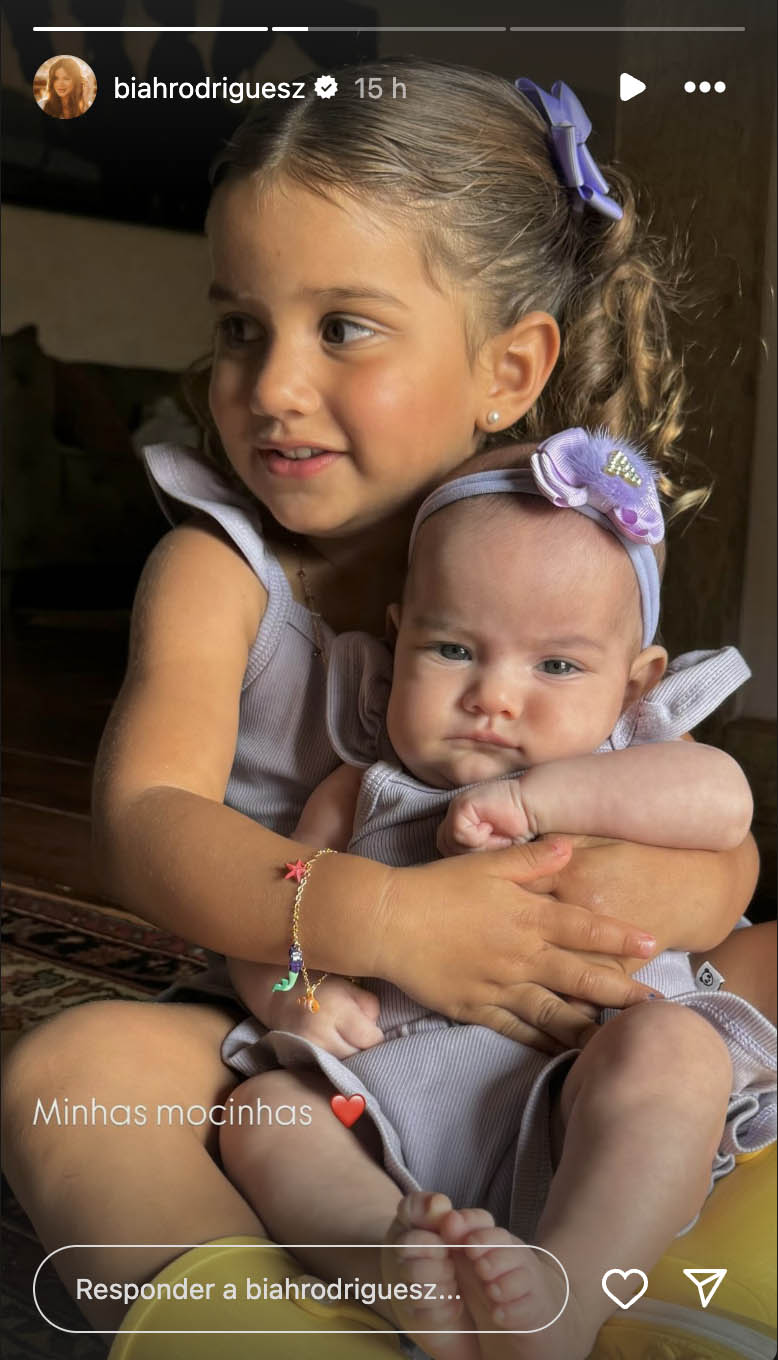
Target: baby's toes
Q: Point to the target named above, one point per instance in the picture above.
(525, 1290)
(455, 1226)
(420, 1272)
(503, 1271)
(422, 1210)
(426, 1299)
(500, 1263)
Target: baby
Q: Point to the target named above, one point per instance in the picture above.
(526, 696)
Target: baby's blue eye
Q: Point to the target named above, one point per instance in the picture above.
(453, 651)
(556, 666)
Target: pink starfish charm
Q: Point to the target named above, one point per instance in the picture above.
(295, 870)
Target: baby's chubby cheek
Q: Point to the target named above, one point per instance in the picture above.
(411, 727)
(397, 724)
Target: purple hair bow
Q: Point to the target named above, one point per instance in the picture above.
(570, 128)
(578, 467)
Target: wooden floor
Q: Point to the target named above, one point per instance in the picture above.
(61, 675)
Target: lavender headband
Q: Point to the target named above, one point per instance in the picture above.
(583, 471)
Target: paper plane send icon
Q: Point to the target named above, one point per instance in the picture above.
(629, 86)
(707, 1282)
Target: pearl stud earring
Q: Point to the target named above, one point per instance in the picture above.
(492, 417)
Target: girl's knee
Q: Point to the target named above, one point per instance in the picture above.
(53, 1052)
(117, 1052)
(45, 1065)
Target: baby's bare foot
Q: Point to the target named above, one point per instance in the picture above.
(416, 1259)
(513, 1292)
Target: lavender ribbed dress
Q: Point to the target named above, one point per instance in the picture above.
(459, 1108)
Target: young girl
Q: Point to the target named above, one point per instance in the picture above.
(390, 285)
(525, 639)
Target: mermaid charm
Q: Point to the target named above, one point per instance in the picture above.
(295, 964)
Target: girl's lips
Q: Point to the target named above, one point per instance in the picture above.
(278, 466)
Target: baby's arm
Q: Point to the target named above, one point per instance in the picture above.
(347, 1017)
(676, 794)
(328, 815)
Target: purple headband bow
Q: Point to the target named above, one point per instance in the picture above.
(570, 128)
(608, 482)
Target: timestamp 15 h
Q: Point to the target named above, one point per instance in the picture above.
(373, 87)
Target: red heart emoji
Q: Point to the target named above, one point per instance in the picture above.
(348, 1111)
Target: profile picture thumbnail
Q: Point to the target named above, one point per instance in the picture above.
(64, 87)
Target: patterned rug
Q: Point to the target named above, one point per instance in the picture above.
(56, 953)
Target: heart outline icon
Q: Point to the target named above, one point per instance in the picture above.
(348, 1109)
(625, 1274)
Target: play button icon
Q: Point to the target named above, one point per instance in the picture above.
(629, 86)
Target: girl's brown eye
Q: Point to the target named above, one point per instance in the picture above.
(334, 331)
(237, 330)
(337, 330)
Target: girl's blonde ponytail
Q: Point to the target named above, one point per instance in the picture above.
(618, 367)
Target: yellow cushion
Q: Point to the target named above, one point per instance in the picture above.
(735, 1232)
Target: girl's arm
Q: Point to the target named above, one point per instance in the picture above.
(326, 820)
(165, 843)
(170, 850)
(347, 1020)
(676, 794)
(691, 899)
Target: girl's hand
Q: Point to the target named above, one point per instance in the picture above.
(645, 883)
(488, 817)
(345, 1023)
(465, 937)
